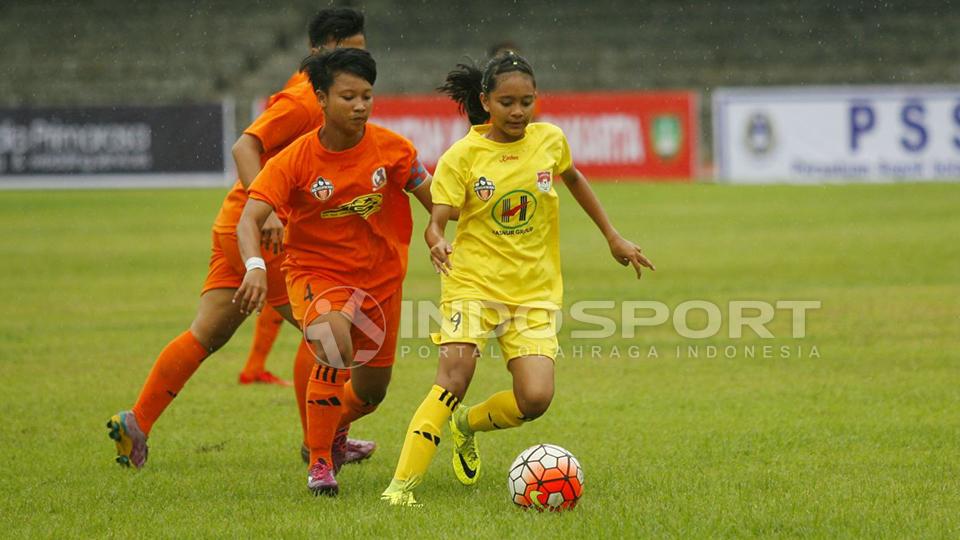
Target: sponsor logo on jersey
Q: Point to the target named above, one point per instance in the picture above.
(544, 181)
(379, 178)
(321, 188)
(363, 206)
(515, 209)
(484, 188)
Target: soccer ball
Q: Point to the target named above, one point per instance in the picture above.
(545, 477)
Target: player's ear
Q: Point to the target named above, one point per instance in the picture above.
(322, 98)
(485, 101)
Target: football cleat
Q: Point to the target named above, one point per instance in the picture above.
(356, 450)
(265, 378)
(346, 450)
(321, 480)
(130, 440)
(400, 494)
(466, 454)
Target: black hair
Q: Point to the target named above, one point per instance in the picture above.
(323, 67)
(336, 23)
(466, 82)
(502, 46)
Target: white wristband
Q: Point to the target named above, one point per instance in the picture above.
(255, 262)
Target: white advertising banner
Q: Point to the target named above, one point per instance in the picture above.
(849, 133)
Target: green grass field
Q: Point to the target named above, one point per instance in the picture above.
(860, 439)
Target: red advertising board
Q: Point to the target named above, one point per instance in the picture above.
(621, 135)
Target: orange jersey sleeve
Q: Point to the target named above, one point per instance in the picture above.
(277, 180)
(296, 79)
(289, 114)
(349, 214)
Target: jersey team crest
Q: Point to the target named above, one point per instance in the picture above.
(544, 181)
(484, 188)
(379, 178)
(321, 188)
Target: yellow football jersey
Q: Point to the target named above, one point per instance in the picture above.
(507, 246)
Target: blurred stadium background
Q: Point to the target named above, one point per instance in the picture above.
(63, 53)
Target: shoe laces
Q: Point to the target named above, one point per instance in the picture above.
(320, 469)
(340, 442)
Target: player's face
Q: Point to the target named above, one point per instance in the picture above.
(356, 41)
(510, 105)
(348, 102)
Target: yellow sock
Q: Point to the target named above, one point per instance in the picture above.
(499, 411)
(423, 436)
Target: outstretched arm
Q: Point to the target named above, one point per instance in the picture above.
(253, 291)
(440, 249)
(624, 251)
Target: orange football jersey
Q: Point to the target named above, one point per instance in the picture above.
(296, 79)
(289, 114)
(349, 216)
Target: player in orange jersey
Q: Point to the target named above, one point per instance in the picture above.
(289, 114)
(330, 28)
(344, 188)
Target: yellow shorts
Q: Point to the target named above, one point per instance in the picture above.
(520, 330)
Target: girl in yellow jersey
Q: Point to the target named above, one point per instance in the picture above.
(502, 273)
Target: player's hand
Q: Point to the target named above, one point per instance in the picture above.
(271, 234)
(626, 252)
(252, 292)
(440, 257)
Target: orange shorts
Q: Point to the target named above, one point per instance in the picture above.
(227, 269)
(376, 323)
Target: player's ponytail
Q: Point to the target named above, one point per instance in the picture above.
(466, 82)
(464, 85)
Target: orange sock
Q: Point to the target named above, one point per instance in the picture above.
(302, 366)
(176, 363)
(324, 402)
(264, 335)
(353, 407)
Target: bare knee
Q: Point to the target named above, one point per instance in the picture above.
(371, 394)
(216, 320)
(533, 403)
(370, 383)
(455, 371)
(212, 336)
(454, 381)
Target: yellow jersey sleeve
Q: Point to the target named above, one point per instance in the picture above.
(449, 186)
(566, 160)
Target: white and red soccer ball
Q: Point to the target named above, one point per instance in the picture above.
(545, 477)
